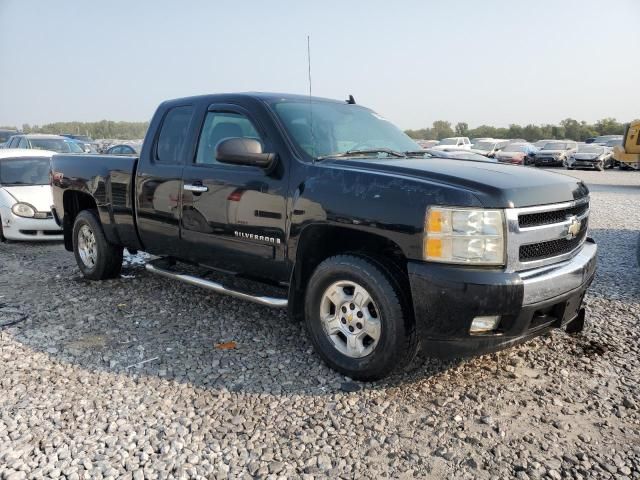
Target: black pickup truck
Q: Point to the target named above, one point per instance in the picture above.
(383, 250)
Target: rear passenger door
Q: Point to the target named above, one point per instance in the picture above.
(159, 182)
(233, 216)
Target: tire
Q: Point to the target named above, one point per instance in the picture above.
(97, 258)
(599, 166)
(366, 358)
(2, 237)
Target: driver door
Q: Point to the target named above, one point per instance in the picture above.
(233, 216)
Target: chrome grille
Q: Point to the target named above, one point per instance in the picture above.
(552, 248)
(539, 236)
(554, 216)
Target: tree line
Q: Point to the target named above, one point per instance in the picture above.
(101, 129)
(568, 128)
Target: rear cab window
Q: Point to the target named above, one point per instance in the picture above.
(173, 133)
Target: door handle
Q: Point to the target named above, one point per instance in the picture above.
(196, 188)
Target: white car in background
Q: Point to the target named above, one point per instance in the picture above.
(459, 143)
(25, 196)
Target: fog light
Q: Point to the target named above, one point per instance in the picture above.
(484, 324)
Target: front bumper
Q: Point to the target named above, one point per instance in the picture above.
(19, 228)
(549, 162)
(446, 299)
(584, 163)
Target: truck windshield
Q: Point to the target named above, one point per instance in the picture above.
(24, 171)
(56, 144)
(323, 129)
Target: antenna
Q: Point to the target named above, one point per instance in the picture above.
(313, 139)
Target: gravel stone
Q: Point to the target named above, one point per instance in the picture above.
(559, 406)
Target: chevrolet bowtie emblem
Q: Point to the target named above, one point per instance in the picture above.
(349, 317)
(574, 227)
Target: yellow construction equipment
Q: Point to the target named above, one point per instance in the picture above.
(628, 154)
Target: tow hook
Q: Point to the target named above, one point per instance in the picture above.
(576, 325)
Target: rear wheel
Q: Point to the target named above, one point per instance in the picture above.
(356, 318)
(2, 237)
(96, 257)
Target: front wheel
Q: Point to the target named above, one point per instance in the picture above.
(97, 258)
(356, 319)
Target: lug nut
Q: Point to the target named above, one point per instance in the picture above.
(344, 309)
(351, 329)
(359, 314)
(344, 320)
(359, 325)
(352, 306)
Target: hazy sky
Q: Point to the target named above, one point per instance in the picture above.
(490, 61)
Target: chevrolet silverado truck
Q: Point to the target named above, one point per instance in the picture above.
(382, 249)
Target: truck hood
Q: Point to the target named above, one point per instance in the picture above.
(495, 185)
(586, 156)
(38, 196)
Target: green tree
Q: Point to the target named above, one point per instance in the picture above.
(442, 129)
(515, 131)
(571, 128)
(609, 126)
(462, 129)
(531, 133)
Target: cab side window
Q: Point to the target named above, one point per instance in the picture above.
(23, 143)
(173, 134)
(218, 126)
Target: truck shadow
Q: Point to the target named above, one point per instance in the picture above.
(144, 325)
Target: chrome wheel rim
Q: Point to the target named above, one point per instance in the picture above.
(87, 246)
(350, 319)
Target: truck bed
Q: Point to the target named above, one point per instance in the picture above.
(109, 179)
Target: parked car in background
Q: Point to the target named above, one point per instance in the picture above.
(5, 135)
(488, 148)
(124, 149)
(614, 142)
(517, 154)
(459, 154)
(427, 143)
(86, 142)
(459, 142)
(555, 154)
(479, 139)
(541, 143)
(25, 196)
(591, 155)
(603, 139)
(39, 141)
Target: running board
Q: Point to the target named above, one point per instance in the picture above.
(159, 266)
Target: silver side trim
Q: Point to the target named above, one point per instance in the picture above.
(548, 282)
(154, 267)
(516, 236)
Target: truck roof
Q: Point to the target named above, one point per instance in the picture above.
(264, 96)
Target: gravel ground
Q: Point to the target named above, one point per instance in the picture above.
(123, 379)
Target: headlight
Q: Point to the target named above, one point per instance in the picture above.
(466, 236)
(23, 210)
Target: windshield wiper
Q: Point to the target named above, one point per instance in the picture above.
(353, 153)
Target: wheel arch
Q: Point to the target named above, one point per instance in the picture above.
(73, 203)
(319, 241)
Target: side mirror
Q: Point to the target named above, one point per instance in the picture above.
(243, 151)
